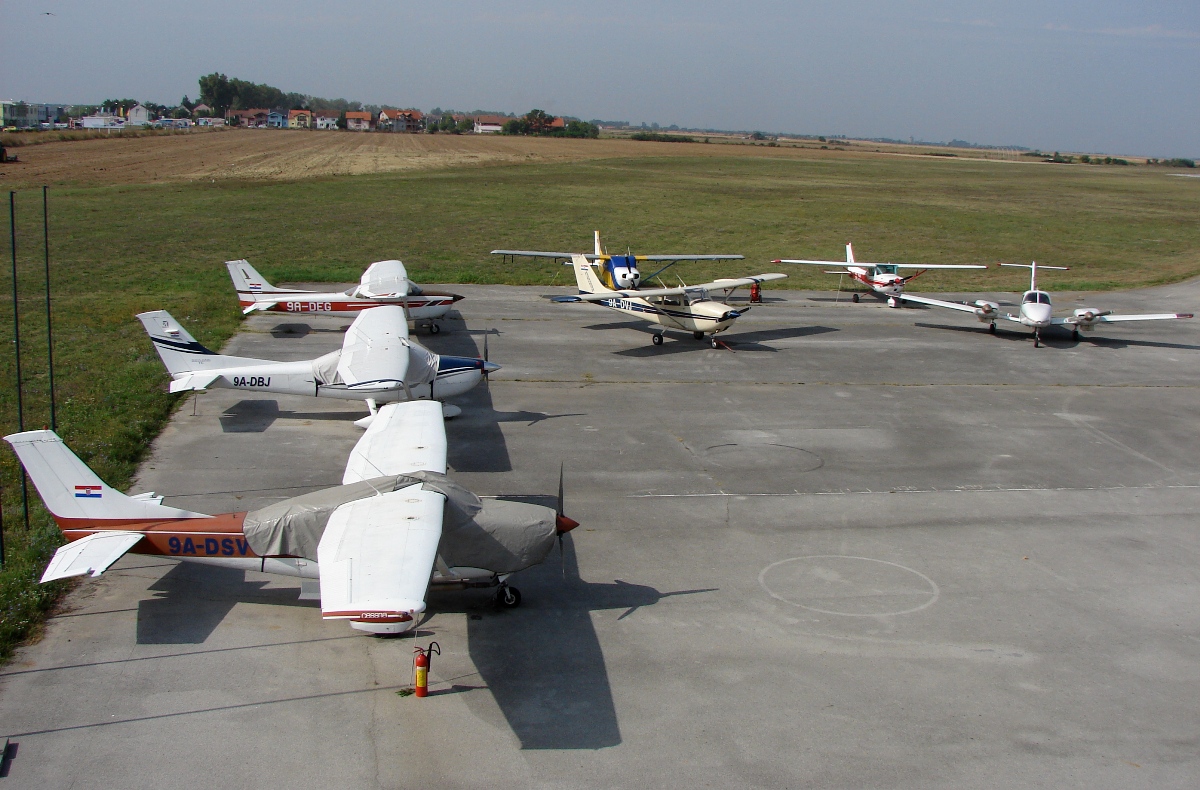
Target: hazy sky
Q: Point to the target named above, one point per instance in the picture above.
(1104, 76)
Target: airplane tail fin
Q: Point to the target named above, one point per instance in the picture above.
(180, 352)
(849, 253)
(585, 276)
(72, 491)
(247, 281)
(1033, 276)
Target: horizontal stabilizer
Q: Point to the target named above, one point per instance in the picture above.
(193, 381)
(92, 554)
(259, 306)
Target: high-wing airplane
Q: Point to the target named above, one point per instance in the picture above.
(1036, 310)
(377, 363)
(396, 527)
(617, 287)
(884, 279)
(384, 282)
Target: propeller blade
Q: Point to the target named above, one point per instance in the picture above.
(561, 470)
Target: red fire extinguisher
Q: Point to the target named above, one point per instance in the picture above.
(421, 665)
(755, 293)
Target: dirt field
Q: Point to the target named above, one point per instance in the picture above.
(272, 154)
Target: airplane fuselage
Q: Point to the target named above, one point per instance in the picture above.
(1035, 310)
(455, 376)
(704, 316)
(424, 306)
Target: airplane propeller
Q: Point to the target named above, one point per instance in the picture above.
(562, 523)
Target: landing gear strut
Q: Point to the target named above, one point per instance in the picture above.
(1037, 340)
(508, 597)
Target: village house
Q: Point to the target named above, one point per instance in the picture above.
(325, 119)
(400, 120)
(201, 109)
(277, 119)
(253, 118)
(300, 119)
(490, 124)
(359, 121)
(138, 116)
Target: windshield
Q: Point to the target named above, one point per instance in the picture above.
(694, 295)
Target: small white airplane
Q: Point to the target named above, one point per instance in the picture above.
(396, 527)
(384, 282)
(1036, 310)
(884, 279)
(377, 363)
(686, 308)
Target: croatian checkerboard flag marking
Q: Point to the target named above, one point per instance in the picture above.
(87, 492)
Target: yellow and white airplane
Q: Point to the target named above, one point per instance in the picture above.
(687, 308)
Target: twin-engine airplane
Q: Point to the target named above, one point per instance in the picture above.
(376, 363)
(617, 287)
(1036, 310)
(384, 282)
(395, 528)
(883, 279)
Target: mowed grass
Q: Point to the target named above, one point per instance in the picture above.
(120, 250)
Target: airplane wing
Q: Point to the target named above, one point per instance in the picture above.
(193, 381)
(403, 437)
(92, 554)
(688, 257)
(966, 308)
(816, 263)
(1109, 319)
(716, 285)
(541, 254)
(376, 556)
(375, 349)
(929, 265)
(384, 279)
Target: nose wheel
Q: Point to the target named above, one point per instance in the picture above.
(712, 341)
(854, 298)
(1037, 340)
(508, 597)
(991, 329)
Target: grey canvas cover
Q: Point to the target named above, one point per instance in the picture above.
(501, 536)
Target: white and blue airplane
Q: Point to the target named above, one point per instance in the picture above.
(1036, 310)
(617, 286)
(377, 363)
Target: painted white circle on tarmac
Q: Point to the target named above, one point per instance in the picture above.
(848, 586)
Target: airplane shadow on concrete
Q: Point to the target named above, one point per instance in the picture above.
(742, 341)
(1061, 338)
(542, 661)
(191, 601)
(303, 330)
(256, 416)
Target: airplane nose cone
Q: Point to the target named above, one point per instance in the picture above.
(456, 297)
(490, 367)
(564, 524)
(1038, 314)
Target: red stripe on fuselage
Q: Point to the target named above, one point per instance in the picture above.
(193, 537)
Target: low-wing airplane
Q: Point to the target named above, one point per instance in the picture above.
(384, 282)
(396, 527)
(1036, 311)
(376, 363)
(884, 279)
(617, 287)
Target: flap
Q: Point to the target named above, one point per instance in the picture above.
(92, 554)
(375, 349)
(377, 555)
(403, 438)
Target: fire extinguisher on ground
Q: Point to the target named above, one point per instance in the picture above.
(422, 662)
(756, 293)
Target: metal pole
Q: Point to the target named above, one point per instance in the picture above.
(49, 324)
(12, 221)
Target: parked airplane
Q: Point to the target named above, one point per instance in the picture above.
(686, 308)
(1036, 310)
(384, 282)
(883, 279)
(376, 363)
(395, 528)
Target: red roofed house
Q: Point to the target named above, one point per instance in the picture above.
(359, 121)
(400, 120)
(325, 119)
(300, 119)
(489, 124)
(255, 119)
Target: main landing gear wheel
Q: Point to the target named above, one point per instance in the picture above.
(892, 302)
(508, 597)
(434, 329)
(698, 335)
(854, 298)
(656, 339)
(712, 341)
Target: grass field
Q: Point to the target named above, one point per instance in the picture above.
(118, 249)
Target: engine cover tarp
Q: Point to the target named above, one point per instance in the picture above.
(294, 526)
(325, 368)
(502, 536)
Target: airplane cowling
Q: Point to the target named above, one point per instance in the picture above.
(501, 537)
(986, 311)
(623, 271)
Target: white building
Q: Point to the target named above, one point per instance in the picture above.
(138, 116)
(490, 124)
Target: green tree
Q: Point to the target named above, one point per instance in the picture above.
(217, 92)
(538, 121)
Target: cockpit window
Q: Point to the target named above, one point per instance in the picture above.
(1030, 298)
(1043, 298)
(694, 295)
